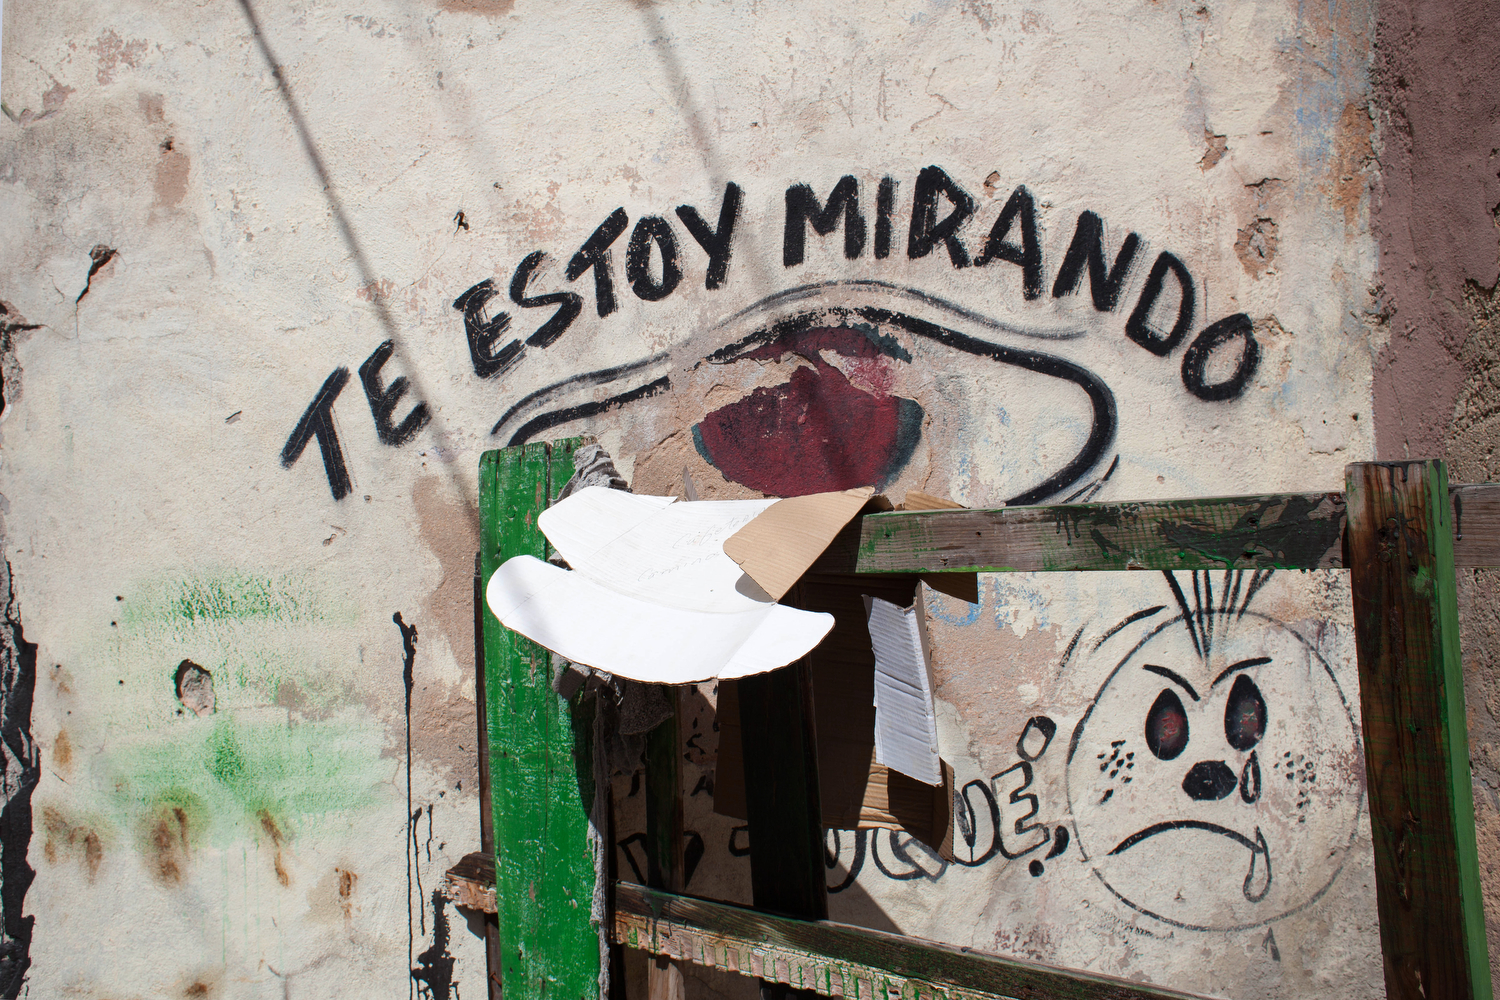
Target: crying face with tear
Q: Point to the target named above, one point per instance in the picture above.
(1215, 781)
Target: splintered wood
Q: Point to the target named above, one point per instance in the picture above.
(839, 960)
(471, 882)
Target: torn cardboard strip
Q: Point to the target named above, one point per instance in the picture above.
(855, 791)
(651, 594)
(906, 737)
(778, 546)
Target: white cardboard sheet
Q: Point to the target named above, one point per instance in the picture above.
(905, 717)
(651, 594)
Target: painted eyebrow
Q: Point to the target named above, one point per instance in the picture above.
(1172, 676)
(1242, 665)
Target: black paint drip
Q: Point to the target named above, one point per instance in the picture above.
(409, 659)
(22, 771)
(435, 965)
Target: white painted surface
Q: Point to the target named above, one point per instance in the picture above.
(143, 440)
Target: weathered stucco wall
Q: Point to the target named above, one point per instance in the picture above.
(1436, 215)
(271, 286)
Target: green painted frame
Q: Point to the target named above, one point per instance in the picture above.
(540, 753)
(1400, 532)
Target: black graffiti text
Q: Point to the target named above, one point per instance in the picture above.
(384, 399)
(942, 212)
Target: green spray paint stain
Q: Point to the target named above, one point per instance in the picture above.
(236, 772)
(228, 596)
(227, 764)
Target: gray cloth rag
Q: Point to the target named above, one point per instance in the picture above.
(628, 710)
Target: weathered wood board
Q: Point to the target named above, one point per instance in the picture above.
(1286, 531)
(542, 794)
(1416, 740)
(841, 960)
(1289, 531)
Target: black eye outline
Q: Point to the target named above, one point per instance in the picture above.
(1170, 744)
(1244, 714)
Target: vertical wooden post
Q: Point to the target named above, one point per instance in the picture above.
(787, 871)
(1400, 552)
(486, 813)
(540, 781)
(664, 855)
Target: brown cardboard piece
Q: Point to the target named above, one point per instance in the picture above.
(778, 551)
(917, 500)
(778, 546)
(855, 792)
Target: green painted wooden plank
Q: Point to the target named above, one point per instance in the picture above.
(540, 776)
(1280, 531)
(1416, 741)
(664, 833)
(841, 960)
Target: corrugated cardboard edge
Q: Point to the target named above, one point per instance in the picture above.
(917, 500)
(914, 615)
(777, 547)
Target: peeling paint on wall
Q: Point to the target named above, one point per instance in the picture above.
(995, 254)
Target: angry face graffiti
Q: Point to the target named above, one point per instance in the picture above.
(1216, 764)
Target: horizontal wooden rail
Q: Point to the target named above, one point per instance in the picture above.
(1277, 531)
(841, 960)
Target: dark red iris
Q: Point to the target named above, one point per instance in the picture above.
(1167, 726)
(1244, 714)
(817, 431)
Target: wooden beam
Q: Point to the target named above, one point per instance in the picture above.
(1416, 745)
(844, 961)
(787, 871)
(1282, 531)
(1277, 531)
(664, 836)
(541, 797)
(471, 883)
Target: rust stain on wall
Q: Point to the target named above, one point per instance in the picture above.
(273, 830)
(331, 898)
(112, 51)
(1352, 155)
(489, 8)
(443, 722)
(62, 753)
(1214, 148)
(1256, 246)
(66, 840)
(169, 845)
(449, 531)
(171, 174)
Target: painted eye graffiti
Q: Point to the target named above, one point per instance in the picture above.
(1167, 726)
(1245, 714)
(776, 439)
